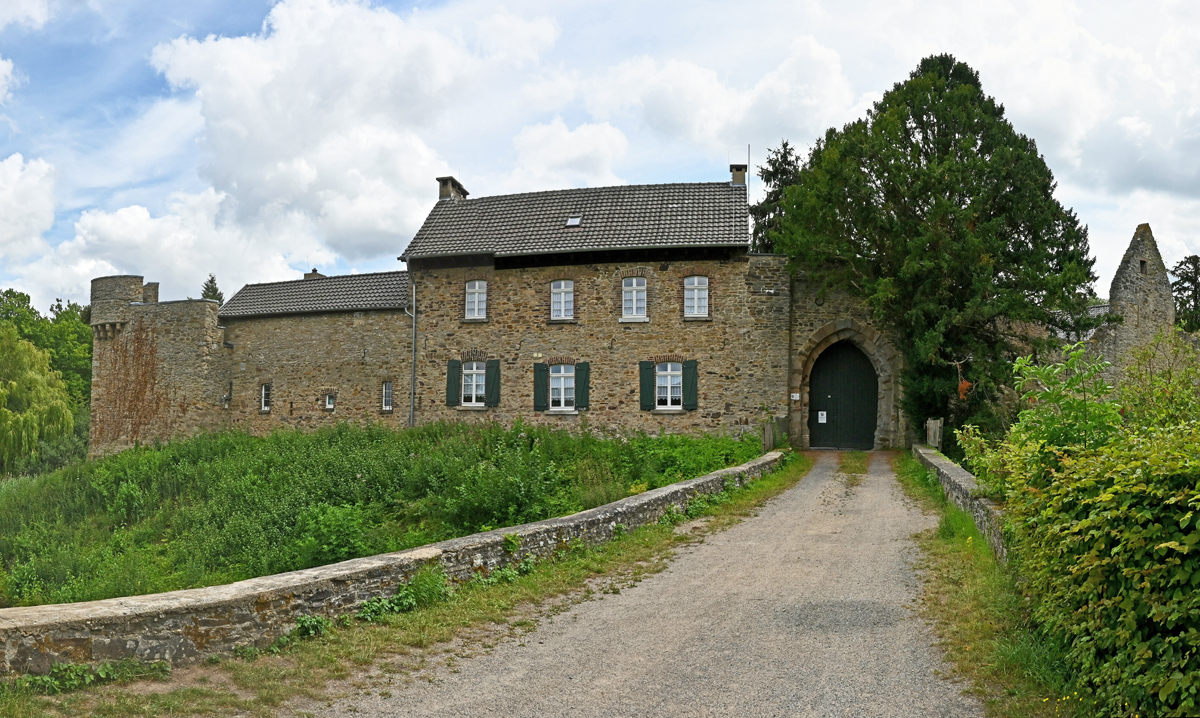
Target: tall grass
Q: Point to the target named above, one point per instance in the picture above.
(225, 507)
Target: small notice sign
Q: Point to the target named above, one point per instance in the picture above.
(820, 417)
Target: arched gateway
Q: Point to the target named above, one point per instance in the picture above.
(846, 373)
(843, 399)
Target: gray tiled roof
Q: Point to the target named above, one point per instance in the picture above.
(350, 292)
(710, 214)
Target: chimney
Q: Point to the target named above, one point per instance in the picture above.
(450, 188)
(150, 293)
(739, 174)
(314, 274)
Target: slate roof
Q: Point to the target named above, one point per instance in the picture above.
(351, 292)
(711, 214)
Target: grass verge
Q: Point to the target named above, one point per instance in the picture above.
(353, 657)
(980, 616)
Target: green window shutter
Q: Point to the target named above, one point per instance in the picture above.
(491, 388)
(646, 377)
(583, 375)
(541, 387)
(691, 385)
(453, 382)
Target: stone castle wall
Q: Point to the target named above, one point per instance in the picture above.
(156, 367)
(305, 357)
(821, 319)
(741, 348)
(1141, 294)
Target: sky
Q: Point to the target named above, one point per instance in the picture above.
(255, 140)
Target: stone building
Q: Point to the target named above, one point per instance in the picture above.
(633, 308)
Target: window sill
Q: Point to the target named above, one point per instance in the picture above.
(386, 411)
(264, 411)
(697, 319)
(460, 407)
(668, 411)
(568, 320)
(633, 320)
(563, 412)
(474, 320)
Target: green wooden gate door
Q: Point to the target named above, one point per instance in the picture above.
(842, 393)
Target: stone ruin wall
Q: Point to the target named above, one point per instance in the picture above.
(154, 366)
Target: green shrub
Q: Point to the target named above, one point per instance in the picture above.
(1101, 496)
(1110, 552)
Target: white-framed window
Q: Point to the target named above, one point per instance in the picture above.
(633, 297)
(387, 396)
(265, 397)
(695, 296)
(562, 387)
(562, 299)
(668, 380)
(474, 375)
(329, 401)
(476, 299)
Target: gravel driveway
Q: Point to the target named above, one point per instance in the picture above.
(801, 611)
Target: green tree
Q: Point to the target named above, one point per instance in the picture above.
(943, 217)
(211, 291)
(34, 404)
(781, 171)
(66, 334)
(1186, 288)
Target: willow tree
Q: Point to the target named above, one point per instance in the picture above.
(34, 404)
(943, 218)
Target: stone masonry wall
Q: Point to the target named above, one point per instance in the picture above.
(960, 487)
(1141, 294)
(156, 367)
(182, 627)
(821, 320)
(741, 349)
(304, 357)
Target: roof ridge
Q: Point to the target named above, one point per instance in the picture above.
(331, 276)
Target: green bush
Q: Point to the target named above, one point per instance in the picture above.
(1102, 492)
(224, 507)
(1109, 551)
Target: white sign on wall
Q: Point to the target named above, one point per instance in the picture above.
(820, 417)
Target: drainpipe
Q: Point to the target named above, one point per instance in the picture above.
(412, 384)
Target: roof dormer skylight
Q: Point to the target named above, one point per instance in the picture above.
(574, 220)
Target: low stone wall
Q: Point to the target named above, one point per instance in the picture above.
(183, 626)
(960, 486)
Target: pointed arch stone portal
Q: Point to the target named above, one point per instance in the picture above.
(882, 357)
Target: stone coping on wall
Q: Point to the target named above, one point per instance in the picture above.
(181, 627)
(961, 489)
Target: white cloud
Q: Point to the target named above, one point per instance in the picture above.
(31, 13)
(177, 249)
(26, 206)
(323, 114)
(552, 156)
(685, 100)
